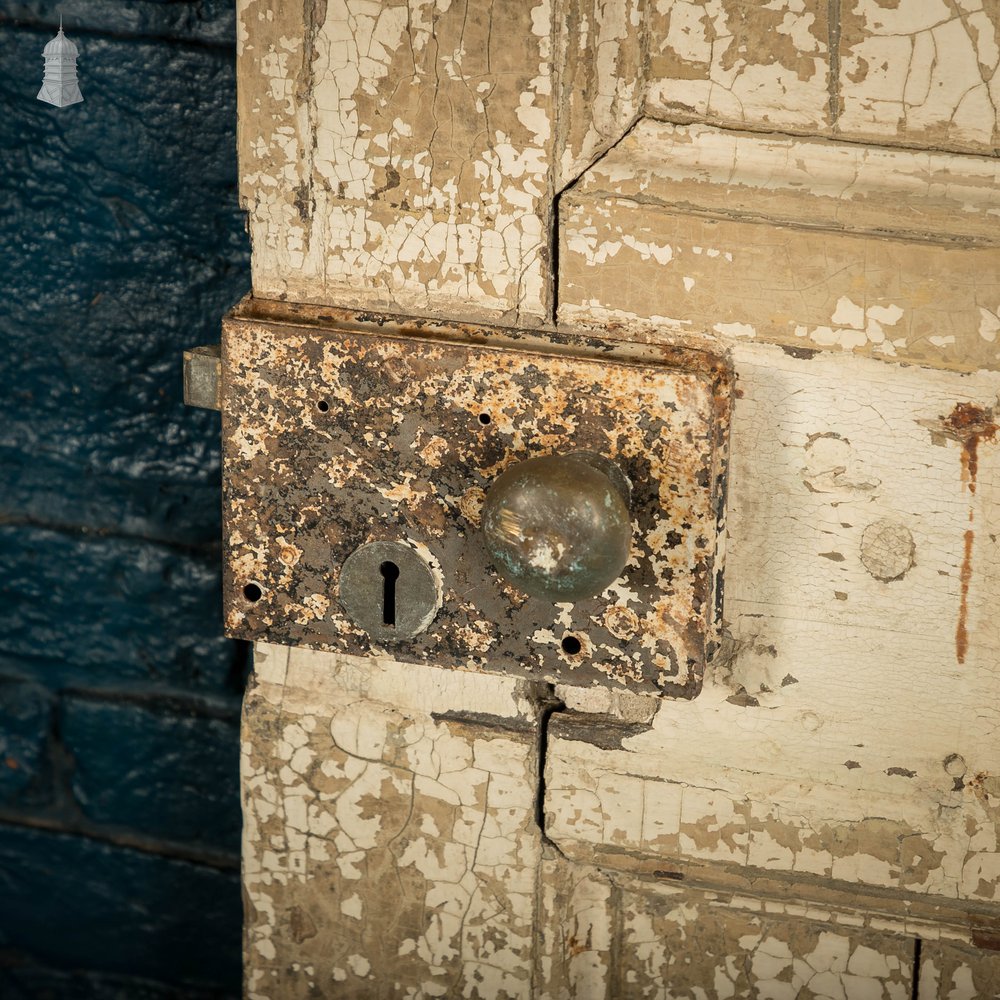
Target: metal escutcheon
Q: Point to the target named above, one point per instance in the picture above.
(389, 590)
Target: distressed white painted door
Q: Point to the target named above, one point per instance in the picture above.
(812, 188)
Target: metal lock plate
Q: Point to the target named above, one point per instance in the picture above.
(341, 429)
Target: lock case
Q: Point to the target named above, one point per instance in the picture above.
(344, 428)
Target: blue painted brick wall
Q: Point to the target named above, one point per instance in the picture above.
(168, 772)
(128, 913)
(121, 243)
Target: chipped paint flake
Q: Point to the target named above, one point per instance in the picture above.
(890, 253)
(868, 521)
(924, 71)
(763, 64)
(404, 850)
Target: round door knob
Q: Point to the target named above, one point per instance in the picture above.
(558, 527)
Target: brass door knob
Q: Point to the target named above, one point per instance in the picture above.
(558, 527)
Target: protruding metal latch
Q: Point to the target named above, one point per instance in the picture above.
(203, 377)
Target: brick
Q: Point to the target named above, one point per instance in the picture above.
(85, 609)
(160, 772)
(126, 246)
(74, 903)
(27, 981)
(25, 712)
(206, 21)
(61, 492)
(123, 245)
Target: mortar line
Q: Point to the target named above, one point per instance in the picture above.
(170, 850)
(86, 31)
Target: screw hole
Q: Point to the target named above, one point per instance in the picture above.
(485, 418)
(252, 592)
(571, 645)
(322, 406)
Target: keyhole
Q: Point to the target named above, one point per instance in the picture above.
(390, 574)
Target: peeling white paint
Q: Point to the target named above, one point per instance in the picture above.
(406, 156)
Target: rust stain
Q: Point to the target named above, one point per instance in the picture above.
(984, 786)
(961, 630)
(577, 947)
(969, 424)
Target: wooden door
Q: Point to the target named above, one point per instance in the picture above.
(811, 191)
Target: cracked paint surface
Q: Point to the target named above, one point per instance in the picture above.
(404, 155)
(600, 60)
(386, 853)
(408, 162)
(573, 960)
(892, 254)
(390, 849)
(921, 71)
(775, 769)
(742, 63)
(676, 947)
(953, 972)
(619, 937)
